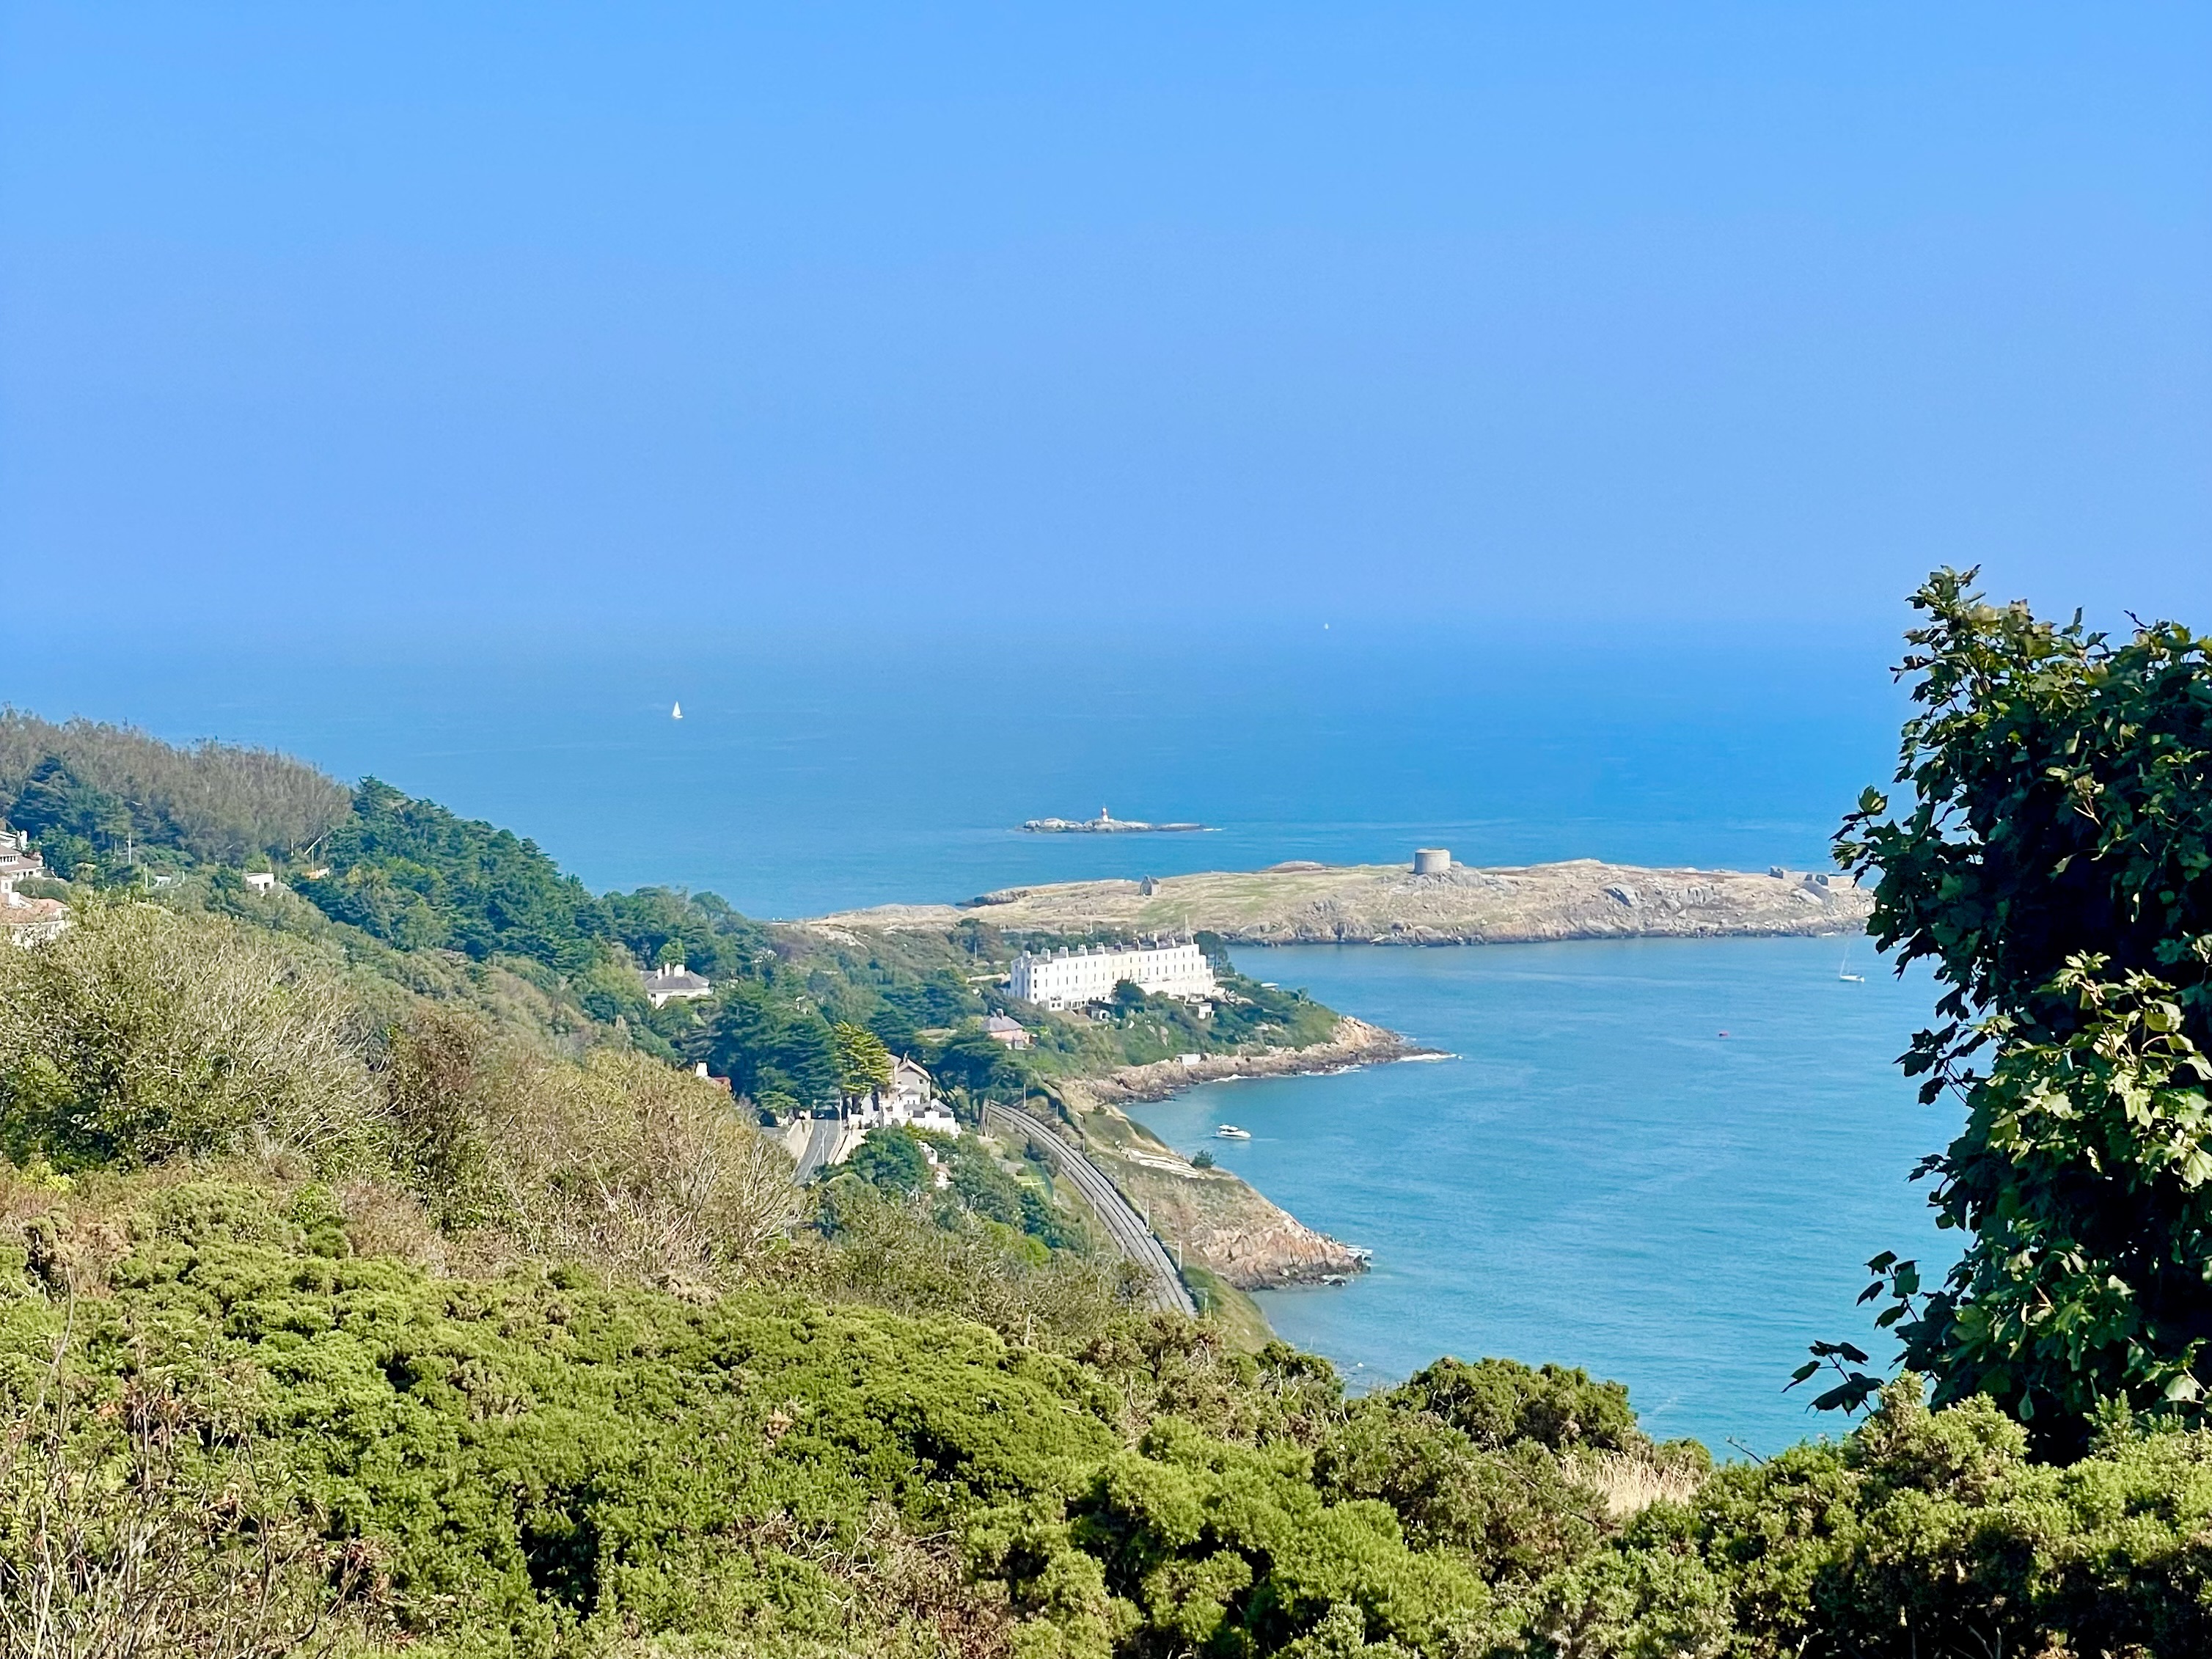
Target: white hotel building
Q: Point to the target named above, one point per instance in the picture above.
(1069, 978)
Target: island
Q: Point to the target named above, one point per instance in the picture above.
(1107, 825)
(1309, 903)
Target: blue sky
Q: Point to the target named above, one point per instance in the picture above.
(376, 323)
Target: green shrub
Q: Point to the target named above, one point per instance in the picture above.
(142, 1033)
(1495, 1402)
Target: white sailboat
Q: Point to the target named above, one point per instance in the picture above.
(1844, 969)
(676, 713)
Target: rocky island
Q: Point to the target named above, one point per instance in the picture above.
(1107, 825)
(1306, 903)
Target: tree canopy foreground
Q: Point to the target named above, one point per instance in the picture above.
(2050, 857)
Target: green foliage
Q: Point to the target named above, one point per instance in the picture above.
(1924, 1532)
(767, 1045)
(2055, 866)
(976, 1064)
(891, 1161)
(413, 874)
(96, 788)
(864, 1064)
(140, 1034)
(540, 1463)
(1230, 1550)
(1512, 1515)
(978, 1187)
(66, 814)
(915, 1257)
(1496, 1402)
(657, 924)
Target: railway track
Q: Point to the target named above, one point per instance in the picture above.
(1130, 1232)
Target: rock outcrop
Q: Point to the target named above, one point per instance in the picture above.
(1354, 1043)
(1211, 1216)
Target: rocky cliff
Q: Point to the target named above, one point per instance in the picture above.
(1211, 1216)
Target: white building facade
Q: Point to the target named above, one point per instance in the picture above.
(911, 1100)
(1069, 978)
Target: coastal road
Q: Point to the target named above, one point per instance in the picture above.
(1130, 1233)
(821, 1141)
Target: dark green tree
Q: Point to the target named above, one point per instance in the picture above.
(864, 1064)
(2054, 864)
(413, 874)
(977, 1064)
(891, 1161)
(766, 1046)
(64, 813)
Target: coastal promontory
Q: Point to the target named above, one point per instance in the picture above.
(1306, 903)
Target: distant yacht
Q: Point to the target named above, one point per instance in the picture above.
(1231, 1132)
(676, 711)
(1844, 969)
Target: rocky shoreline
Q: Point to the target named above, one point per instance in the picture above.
(1213, 1217)
(1354, 1043)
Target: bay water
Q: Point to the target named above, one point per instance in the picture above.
(1597, 1177)
(1664, 1160)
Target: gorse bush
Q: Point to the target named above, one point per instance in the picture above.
(139, 1517)
(543, 1461)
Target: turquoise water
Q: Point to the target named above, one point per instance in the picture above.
(1597, 1176)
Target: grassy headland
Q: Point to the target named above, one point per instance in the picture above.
(1309, 903)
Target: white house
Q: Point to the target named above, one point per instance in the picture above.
(19, 859)
(911, 1100)
(676, 983)
(260, 881)
(23, 920)
(26, 921)
(1069, 978)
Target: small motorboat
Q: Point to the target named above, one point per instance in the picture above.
(1231, 1132)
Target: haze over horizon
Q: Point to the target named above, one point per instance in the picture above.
(402, 331)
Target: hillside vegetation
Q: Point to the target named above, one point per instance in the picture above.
(344, 1311)
(415, 893)
(99, 794)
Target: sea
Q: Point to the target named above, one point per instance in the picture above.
(1666, 1161)
(1594, 1175)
